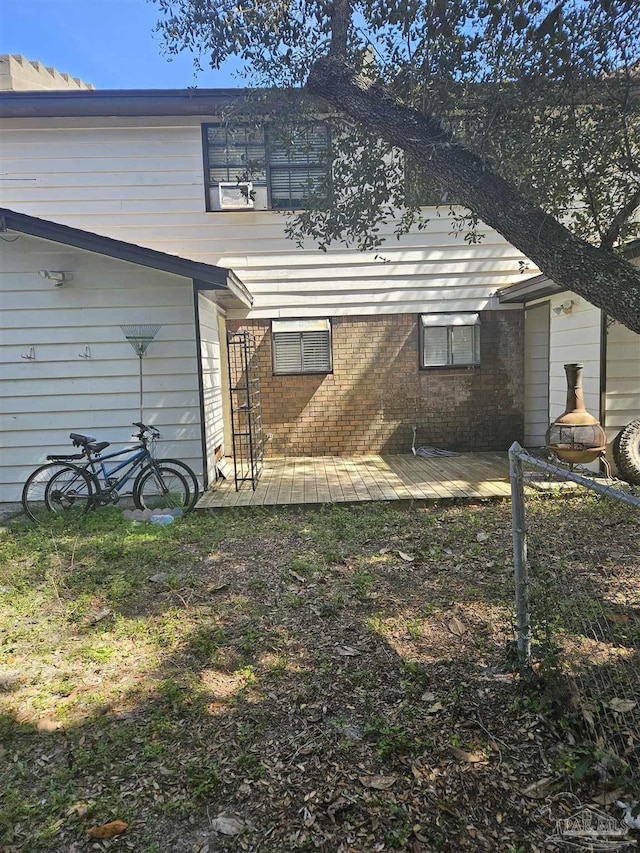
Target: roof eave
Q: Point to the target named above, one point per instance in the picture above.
(536, 287)
(217, 278)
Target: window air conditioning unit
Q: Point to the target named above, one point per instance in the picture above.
(236, 196)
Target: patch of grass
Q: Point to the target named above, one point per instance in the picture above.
(389, 739)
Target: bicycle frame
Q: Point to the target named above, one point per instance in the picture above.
(135, 460)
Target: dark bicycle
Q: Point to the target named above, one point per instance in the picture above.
(72, 484)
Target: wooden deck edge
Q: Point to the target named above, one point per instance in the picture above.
(455, 500)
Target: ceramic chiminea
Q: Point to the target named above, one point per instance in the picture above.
(576, 436)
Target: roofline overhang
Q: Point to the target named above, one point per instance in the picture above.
(216, 278)
(134, 102)
(535, 287)
(539, 286)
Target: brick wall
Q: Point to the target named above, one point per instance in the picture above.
(376, 392)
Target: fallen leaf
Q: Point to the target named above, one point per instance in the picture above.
(98, 616)
(297, 576)
(469, 757)
(433, 709)
(378, 783)
(616, 617)
(406, 557)
(428, 696)
(227, 825)
(78, 810)
(348, 651)
(456, 626)
(108, 830)
(608, 797)
(622, 706)
(482, 537)
(539, 790)
(588, 716)
(48, 724)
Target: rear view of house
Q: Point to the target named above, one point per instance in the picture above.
(354, 348)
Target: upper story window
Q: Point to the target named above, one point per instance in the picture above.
(265, 169)
(301, 346)
(448, 340)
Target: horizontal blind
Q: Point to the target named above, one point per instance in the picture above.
(463, 345)
(287, 352)
(233, 152)
(290, 185)
(301, 352)
(435, 346)
(316, 352)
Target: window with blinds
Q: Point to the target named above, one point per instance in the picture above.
(296, 166)
(449, 339)
(235, 154)
(301, 346)
(289, 164)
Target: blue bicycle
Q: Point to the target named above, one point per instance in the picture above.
(72, 484)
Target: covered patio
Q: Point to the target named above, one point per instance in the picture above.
(354, 479)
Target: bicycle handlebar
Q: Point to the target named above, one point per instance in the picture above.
(143, 428)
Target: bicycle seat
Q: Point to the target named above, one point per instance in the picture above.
(97, 446)
(79, 439)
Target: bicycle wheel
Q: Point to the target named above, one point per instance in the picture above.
(188, 474)
(55, 489)
(160, 487)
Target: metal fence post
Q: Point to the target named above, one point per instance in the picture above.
(520, 566)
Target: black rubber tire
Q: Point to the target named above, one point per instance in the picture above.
(188, 474)
(615, 449)
(627, 452)
(43, 495)
(161, 487)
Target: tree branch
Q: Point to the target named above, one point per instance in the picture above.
(622, 216)
(603, 278)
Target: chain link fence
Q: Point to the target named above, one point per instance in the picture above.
(577, 571)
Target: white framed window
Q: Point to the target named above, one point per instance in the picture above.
(449, 340)
(301, 346)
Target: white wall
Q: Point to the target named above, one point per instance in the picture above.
(574, 337)
(212, 380)
(536, 374)
(623, 378)
(44, 399)
(141, 180)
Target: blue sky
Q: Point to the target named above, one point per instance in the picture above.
(109, 43)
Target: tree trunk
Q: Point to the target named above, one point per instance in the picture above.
(601, 277)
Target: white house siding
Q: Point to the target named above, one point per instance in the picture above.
(536, 374)
(141, 180)
(58, 391)
(574, 337)
(623, 379)
(212, 381)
